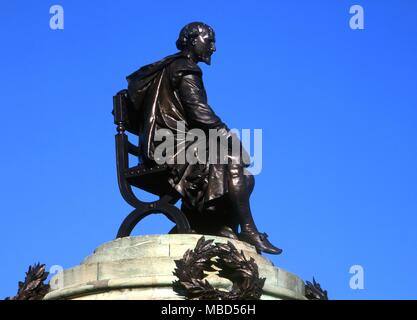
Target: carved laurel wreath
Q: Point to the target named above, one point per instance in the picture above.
(228, 262)
(33, 288)
(314, 291)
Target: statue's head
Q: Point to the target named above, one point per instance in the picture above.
(198, 41)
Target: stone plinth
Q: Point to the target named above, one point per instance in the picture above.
(141, 268)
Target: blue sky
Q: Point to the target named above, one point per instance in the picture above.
(338, 110)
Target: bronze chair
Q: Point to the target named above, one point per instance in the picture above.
(150, 179)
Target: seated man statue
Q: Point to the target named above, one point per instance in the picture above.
(215, 196)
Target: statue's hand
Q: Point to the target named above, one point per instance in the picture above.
(237, 153)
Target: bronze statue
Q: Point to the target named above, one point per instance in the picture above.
(215, 196)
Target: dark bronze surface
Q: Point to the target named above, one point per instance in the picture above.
(215, 197)
(230, 264)
(33, 287)
(314, 291)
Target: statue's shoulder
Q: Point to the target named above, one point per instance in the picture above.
(183, 66)
(177, 64)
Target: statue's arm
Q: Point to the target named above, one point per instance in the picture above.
(194, 99)
(199, 113)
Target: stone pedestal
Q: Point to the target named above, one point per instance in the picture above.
(140, 268)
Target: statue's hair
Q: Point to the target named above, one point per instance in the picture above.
(190, 32)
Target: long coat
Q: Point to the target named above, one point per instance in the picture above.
(165, 93)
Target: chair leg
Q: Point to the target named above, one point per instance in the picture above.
(170, 211)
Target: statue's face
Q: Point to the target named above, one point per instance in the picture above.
(203, 46)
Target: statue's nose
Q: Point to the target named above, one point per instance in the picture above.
(213, 47)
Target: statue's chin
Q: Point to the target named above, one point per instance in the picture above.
(206, 60)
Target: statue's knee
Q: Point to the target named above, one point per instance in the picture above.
(250, 182)
(235, 170)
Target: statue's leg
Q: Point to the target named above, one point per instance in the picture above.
(250, 183)
(216, 222)
(239, 193)
(240, 187)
